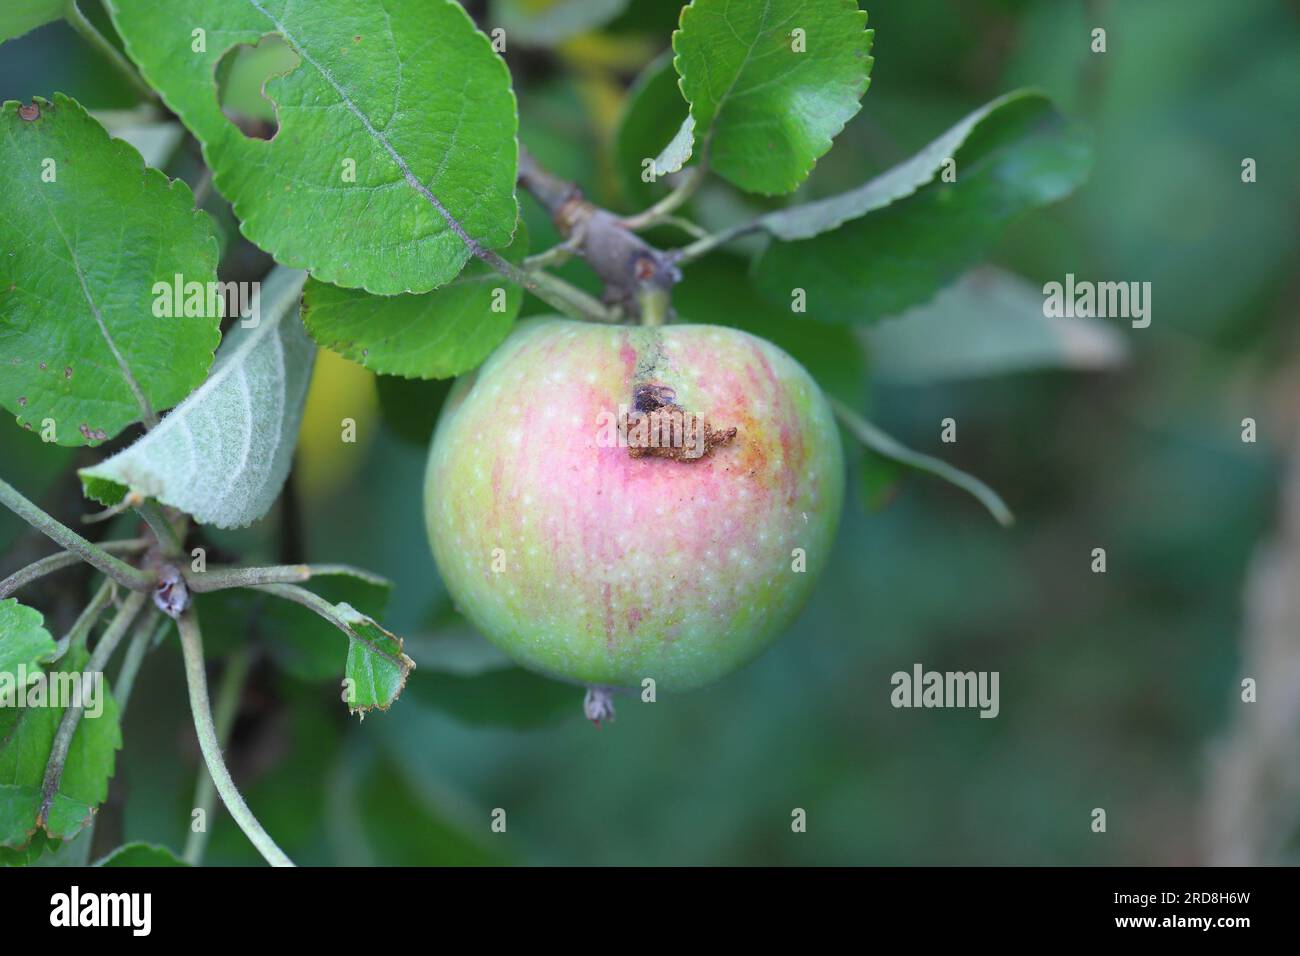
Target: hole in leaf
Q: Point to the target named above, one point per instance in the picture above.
(242, 75)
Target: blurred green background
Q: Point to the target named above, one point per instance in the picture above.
(1115, 687)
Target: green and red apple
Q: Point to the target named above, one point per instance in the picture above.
(586, 554)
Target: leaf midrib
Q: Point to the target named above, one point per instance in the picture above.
(146, 410)
(475, 248)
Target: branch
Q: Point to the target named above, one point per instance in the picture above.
(63, 559)
(121, 572)
(706, 244)
(196, 677)
(664, 208)
(72, 713)
(550, 289)
(569, 299)
(222, 578)
(627, 264)
(205, 791)
(163, 530)
(80, 630)
(147, 631)
(308, 599)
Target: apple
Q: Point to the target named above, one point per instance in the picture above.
(611, 504)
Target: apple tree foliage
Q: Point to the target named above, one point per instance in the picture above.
(386, 199)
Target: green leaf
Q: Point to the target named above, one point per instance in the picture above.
(301, 642)
(408, 90)
(653, 104)
(35, 848)
(20, 805)
(79, 341)
(376, 668)
(223, 454)
(437, 334)
(766, 111)
(549, 22)
(507, 697)
(241, 74)
(141, 854)
(989, 322)
(888, 446)
(26, 736)
(717, 291)
(20, 16)
(1022, 155)
(23, 639)
(811, 219)
(673, 157)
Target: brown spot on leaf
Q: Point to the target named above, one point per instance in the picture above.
(67, 372)
(29, 112)
(22, 401)
(92, 434)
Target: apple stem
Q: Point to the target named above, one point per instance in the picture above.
(654, 306)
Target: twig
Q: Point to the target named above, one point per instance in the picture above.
(205, 791)
(625, 263)
(703, 246)
(63, 559)
(72, 713)
(878, 441)
(681, 194)
(220, 579)
(162, 528)
(686, 226)
(308, 599)
(146, 631)
(554, 256)
(129, 500)
(192, 649)
(92, 554)
(80, 630)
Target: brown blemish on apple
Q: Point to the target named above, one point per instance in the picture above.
(657, 406)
